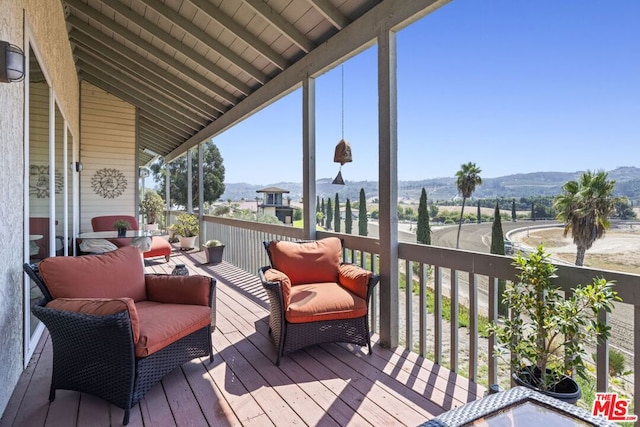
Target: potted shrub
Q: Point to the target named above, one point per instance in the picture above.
(214, 250)
(151, 208)
(187, 227)
(546, 336)
(122, 226)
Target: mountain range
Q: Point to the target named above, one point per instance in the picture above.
(442, 189)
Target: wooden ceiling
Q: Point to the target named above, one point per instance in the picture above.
(186, 64)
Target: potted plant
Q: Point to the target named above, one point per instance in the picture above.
(187, 228)
(122, 226)
(546, 336)
(214, 250)
(151, 207)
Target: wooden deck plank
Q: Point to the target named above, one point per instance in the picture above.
(328, 385)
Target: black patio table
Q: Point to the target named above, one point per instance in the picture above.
(517, 407)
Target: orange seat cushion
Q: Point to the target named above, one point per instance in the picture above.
(115, 274)
(323, 301)
(309, 262)
(163, 324)
(159, 247)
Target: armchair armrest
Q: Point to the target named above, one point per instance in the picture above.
(357, 279)
(193, 290)
(275, 278)
(100, 307)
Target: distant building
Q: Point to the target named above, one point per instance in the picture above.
(273, 204)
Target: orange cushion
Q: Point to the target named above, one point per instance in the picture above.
(273, 275)
(163, 324)
(100, 307)
(114, 274)
(159, 247)
(308, 262)
(355, 278)
(323, 301)
(165, 288)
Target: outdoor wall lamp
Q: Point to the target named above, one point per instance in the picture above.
(11, 63)
(78, 166)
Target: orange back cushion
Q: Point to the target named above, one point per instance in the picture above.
(116, 274)
(309, 262)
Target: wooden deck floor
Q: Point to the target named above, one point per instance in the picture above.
(329, 385)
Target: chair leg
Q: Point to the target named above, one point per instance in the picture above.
(125, 420)
(167, 258)
(52, 394)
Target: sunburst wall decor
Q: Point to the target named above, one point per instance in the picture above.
(108, 183)
(39, 181)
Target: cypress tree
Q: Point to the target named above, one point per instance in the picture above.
(323, 212)
(348, 220)
(533, 211)
(423, 231)
(497, 247)
(329, 213)
(318, 204)
(336, 215)
(362, 214)
(513, 210)
(479, 219)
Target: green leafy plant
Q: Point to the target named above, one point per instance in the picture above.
(121, 223)
(186, 225)
(151, 206)
(212, 243)
(546, 336)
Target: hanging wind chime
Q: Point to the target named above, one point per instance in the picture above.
(342, 153)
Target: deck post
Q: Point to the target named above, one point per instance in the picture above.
(309, 156)
(388, 184)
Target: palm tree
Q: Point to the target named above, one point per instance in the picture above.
(585, 207)
(467, 178)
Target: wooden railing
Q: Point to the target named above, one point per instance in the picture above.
(467, 279)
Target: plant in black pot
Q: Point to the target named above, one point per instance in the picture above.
(214, 250)
(122, 226)
(547, 334)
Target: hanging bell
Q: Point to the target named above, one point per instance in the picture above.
(342, 154)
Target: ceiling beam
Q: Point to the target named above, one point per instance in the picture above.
(93, 56)
(330, 12)
(150, 49)
(388, 15)
(147, 95)
(281, 24)
(207, 39)
(157, 128)
(161, 115)
(81, 32)
(179, 46)
(251, 40)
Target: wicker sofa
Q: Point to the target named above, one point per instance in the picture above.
(116, 331)
(314, 298)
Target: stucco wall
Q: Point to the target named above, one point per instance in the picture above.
(46, 19)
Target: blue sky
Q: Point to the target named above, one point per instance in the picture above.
(514, 86)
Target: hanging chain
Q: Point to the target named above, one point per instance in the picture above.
(342, 101)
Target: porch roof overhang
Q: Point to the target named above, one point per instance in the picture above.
(193, 68)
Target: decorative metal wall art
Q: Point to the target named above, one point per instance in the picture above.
(109, 183)
(39, 181)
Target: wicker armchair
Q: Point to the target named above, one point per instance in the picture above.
(314, 298)
(116, 331)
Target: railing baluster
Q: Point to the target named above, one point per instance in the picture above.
(602, 358)
(423, 311)
(437, 316)
(473, 328)
(453, 294)
(493, 315)
(408, 293)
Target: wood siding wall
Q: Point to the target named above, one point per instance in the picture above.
(107, 128)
